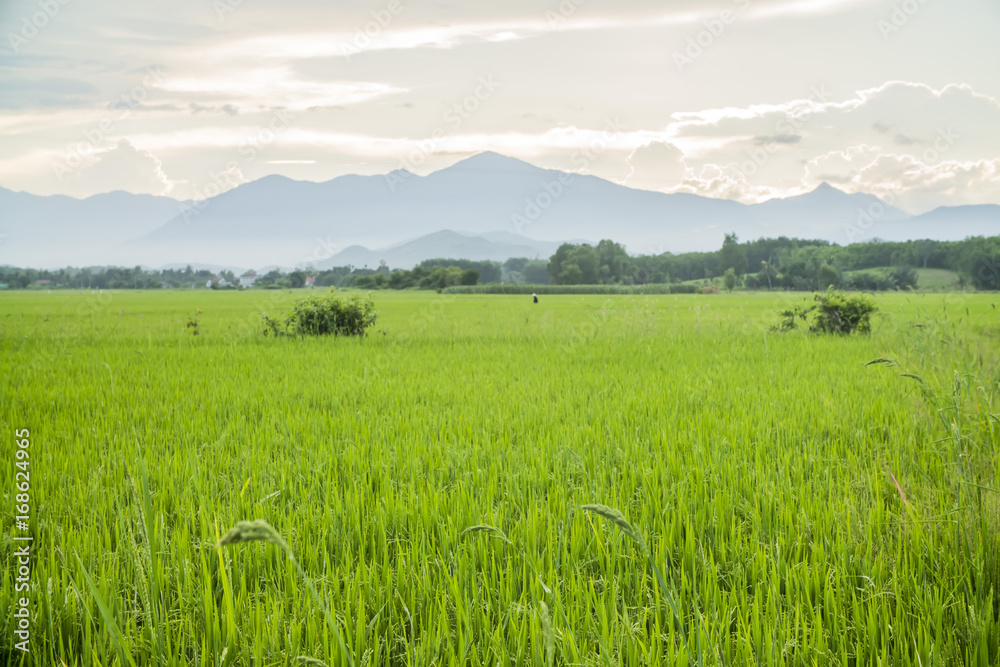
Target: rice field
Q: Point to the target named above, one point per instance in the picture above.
(781, 502)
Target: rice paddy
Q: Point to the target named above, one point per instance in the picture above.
(780, 501)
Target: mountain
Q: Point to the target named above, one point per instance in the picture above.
(946, 223)
(445, 244)
(483, 194)
(58, 230)
(485, 200)
(825, 213)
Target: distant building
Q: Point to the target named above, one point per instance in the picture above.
(217, 282)
(310, 281)
(248, 279)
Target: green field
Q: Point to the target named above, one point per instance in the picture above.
(803, 508)
(936, 280)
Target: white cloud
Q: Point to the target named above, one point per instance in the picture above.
(655, 166)
(129, 168)
(914, 183)
(276, 87)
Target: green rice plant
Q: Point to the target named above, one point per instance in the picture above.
(841, 515)
(618, 519)
(261, 531)
(500, 535)
(115, 632)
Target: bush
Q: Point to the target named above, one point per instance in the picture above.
(903, 277)
(836, 312)
(839, 313)
(325, 315)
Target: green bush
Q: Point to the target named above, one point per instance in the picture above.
(836, 312)
(325, 315)
(839, 313)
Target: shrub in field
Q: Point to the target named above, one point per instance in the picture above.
(836, 312)
(325, 315)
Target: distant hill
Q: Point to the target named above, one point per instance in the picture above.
(59, 231)
(443, 244)
(946, 223)
(507, 202)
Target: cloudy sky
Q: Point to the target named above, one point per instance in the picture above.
(743, 99)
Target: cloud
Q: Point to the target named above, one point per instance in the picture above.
(762, 140)
(24, 93)
(380, 30)
(227, 109)
(123, 167)
(724, 182)
(272, 87)
(808, 141)
(915, 184)
(656, 165)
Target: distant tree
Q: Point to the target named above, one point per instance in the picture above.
(515, 264)
(536, 271)
(555, 264)
(271, 278)
(469, 277)
(613, 261)
(489, 271)
(767, 272)
(903, 277)
(586, 258)
(570, 274)
(733, 254)
(297, 278)
(730, 279)
(980, 263)
(829, 276)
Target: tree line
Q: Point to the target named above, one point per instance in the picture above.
(771, 263)
(784, 263)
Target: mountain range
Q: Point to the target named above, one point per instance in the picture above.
(485, 207)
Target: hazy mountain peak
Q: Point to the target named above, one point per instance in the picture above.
(825, 187)
(492, 162)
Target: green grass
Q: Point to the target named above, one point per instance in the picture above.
(794, 505)
(928, 280)
(936, 280)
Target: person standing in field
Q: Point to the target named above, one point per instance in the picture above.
(534, 297)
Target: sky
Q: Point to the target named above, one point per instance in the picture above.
(738, 99)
